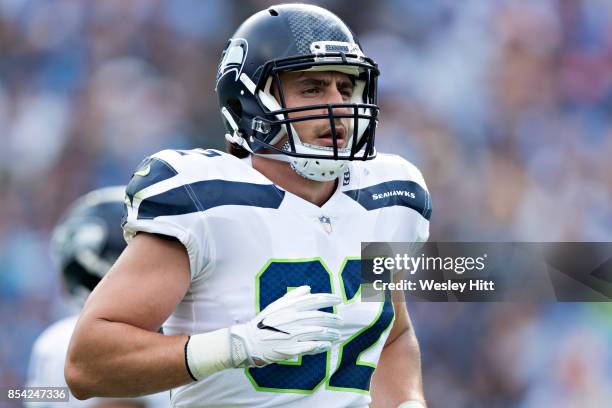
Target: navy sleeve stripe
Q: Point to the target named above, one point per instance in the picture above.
(397, 192)
(151, 171)
(210, 194)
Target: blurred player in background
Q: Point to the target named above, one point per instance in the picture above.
(85, 244)
(250, 259)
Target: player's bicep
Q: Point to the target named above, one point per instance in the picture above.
(144, 286)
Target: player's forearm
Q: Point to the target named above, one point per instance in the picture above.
(110, 359)
(397, 377)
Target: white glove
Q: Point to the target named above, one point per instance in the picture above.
(288, 327)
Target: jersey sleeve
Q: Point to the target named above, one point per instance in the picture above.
(422, 199)
(36, 367)
(46, 366)
(160, 201)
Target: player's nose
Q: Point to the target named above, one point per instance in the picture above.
(336, 97)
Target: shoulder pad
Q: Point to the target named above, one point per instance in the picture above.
(176, 182)
(391, 180)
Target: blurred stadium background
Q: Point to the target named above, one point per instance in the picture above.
(504, 105)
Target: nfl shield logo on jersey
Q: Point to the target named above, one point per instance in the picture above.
(326, 223)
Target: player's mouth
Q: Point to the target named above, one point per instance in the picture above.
(326, 138)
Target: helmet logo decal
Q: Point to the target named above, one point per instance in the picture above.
(233, 58)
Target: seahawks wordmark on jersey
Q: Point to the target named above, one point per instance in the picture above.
(249, 242)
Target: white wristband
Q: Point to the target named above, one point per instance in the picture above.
(208, 353)
(412, 404)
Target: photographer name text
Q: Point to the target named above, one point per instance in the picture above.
(472, 285)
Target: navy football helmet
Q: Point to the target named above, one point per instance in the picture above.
(88, 239)
(295, 37)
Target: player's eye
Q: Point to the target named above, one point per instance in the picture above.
(311, 91)
(347, 93)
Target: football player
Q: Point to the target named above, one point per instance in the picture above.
(250, 259)
(85, 243)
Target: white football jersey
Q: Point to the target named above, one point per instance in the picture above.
(47, 368)
(249, 242)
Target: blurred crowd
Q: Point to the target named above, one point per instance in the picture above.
(505, 106)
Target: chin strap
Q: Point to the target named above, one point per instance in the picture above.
(311, 169)
(234, 139)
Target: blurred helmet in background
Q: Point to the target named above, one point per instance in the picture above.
(88, 239)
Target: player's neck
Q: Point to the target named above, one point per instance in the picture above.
(281, 174)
